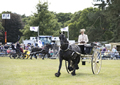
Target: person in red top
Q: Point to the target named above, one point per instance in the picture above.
(21, 49)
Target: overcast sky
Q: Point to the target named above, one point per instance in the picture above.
(27, 7)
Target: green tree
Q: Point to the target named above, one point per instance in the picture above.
(113, 15)
(96, 24)
(101, 5)
(12, 26)
(63, 18)
(79, 21)
(46, 20)
(25, 19)
(1, 29)
(100, 27)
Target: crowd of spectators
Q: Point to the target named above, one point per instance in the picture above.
(107, 53)
(5, 49)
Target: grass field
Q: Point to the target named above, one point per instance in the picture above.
(41, 72)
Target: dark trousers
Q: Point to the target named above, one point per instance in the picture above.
(82, 49)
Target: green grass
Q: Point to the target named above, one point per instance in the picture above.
(41, 72)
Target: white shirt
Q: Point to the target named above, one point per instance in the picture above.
(114, 50)
(82, 37)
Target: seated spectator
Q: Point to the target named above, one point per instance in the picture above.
(5, 48)
(117, 54)
(2, 48)
(113, 51)
(28, 47)
(32, 46)
(8, 51)
(51, 52)
(104, 50)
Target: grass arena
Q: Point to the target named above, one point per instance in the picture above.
(41, 72)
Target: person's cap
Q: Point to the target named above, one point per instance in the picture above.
(82, 30)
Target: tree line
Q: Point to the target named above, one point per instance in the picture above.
(100, 24)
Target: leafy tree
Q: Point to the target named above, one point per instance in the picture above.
(45, 19)
(63, 18)
(79, 21)
(110, 19)
(113, 15)
(1, 28)
(25, 19)
(12, 26)
(102, 5)
(100, 27)
(94, 21)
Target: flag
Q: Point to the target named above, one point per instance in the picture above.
(64, 29)
(40, 43)
(34, 29)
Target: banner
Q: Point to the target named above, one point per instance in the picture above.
(5, 16)
(34, 29)
(64, 29)
(5, 37)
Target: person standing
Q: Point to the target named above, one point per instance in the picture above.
(82, 40)
(5, 48)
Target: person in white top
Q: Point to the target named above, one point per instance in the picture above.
(82, 40)
(114, 50)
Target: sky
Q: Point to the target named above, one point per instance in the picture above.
(28, 7)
